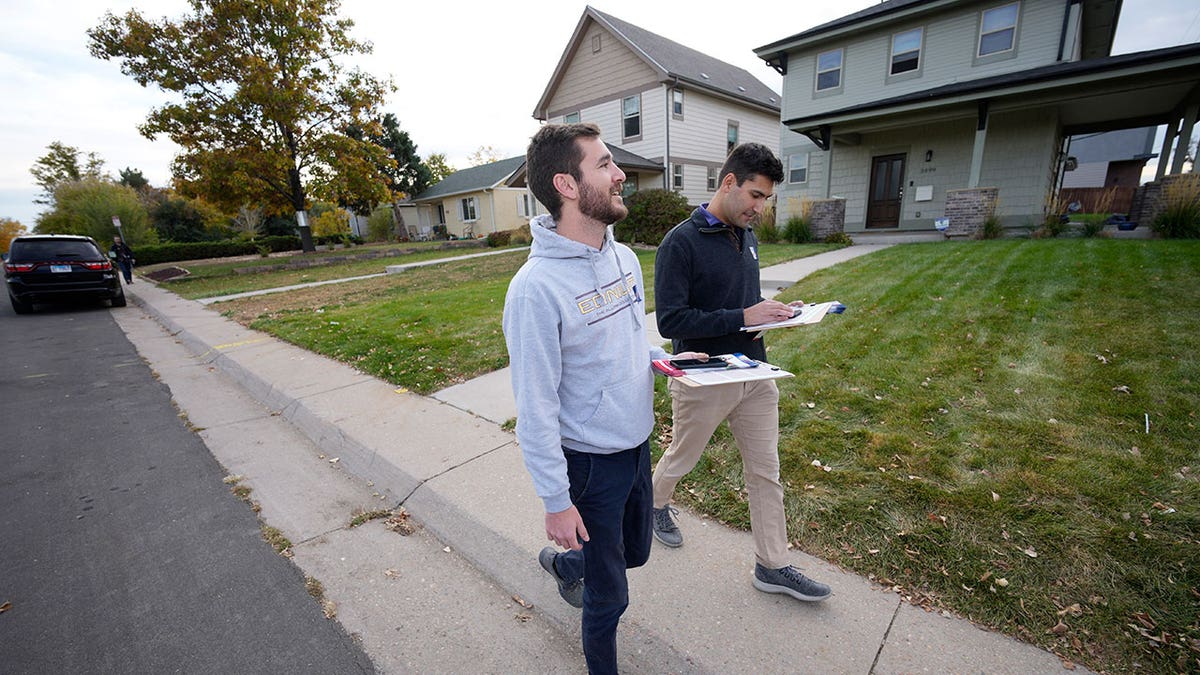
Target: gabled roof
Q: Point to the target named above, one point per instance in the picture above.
(671, 60)
(473, 179)
(627, 161)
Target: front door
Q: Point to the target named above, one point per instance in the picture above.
(887, 189)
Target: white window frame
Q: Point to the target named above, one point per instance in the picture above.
(793, 166)
(677, 103)
(841, 52)
(893, 53)
(567, 119)
(711, 178)
(626, 116)
(526, 205)
(463, 205)
(1012, 28)
(731, 136)
(677, 176)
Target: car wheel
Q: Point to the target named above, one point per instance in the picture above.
(20, 306)
(119, 301)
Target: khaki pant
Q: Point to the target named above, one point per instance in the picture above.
(752, 409)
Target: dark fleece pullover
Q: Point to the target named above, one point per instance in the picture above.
(702, 282)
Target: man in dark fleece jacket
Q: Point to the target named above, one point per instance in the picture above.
(706, 287)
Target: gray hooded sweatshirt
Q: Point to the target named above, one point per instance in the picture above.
(574, 322)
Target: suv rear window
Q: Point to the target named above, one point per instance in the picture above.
(34, 250)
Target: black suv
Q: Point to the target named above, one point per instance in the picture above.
(47, 267)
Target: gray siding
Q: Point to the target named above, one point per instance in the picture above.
(947, 56)
(595, 76)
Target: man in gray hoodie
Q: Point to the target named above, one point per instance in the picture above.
(574, 322)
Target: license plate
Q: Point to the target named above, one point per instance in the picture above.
(60, 268)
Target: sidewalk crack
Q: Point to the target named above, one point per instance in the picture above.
(447, 470)
(886, 633)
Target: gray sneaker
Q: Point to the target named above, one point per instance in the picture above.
(571, 591)
(789, 580)
(665, 529)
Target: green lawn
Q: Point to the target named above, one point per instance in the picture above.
(982, 408)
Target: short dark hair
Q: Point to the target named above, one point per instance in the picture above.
(752, 159)
(552, 151)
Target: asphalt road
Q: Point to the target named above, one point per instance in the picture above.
(121, 549)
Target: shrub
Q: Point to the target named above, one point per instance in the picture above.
(992, 229)
(1093, 223)
(652, 213)
(381, 224)
(838, 238)
(521, 236)
(196, 250)
(797, 230)
(1181, 217)
(499, 238)
(767, 233)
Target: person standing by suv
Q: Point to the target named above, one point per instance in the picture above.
(124, 257)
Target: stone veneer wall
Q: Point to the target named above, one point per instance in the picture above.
(967, 210)
(826, 217)
(1150, 199)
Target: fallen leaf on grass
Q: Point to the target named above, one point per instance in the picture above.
(1122, 388)
(1073, 610)
(1002, 582)
(1069, 665)
(1101, 359)
(1030, 552)
(1059, 628)
(995, 497)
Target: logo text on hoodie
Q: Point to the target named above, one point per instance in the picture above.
(608, 301)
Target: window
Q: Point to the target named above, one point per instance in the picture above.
(631, 116)
(595, 44)
(906, 51)
(798, 168)
(677, 176)
(829, 70)
(712, 178)
(677, 102)
(441, 214)
(998, 29)
(526, 206)
(468, 209)
(571, 118)
(731, 137)
(630, 185)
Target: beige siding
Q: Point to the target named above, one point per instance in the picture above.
(595, 76)
(948, 56)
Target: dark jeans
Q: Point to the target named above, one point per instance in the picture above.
(614, 498)
(126, 270)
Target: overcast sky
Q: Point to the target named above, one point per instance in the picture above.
(468, 72)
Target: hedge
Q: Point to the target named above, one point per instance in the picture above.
(197, 250)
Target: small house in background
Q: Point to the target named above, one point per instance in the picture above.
(915, 114)
(676, 111)
(1104, 169)
(473, 203)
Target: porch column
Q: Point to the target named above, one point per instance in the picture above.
(980, 141)
(1164, 153)
(829, 172)
(1185, 138)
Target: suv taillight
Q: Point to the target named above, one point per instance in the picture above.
(19, 267)
(98, 266)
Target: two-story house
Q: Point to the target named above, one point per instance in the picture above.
(676, 110)
(915, 113)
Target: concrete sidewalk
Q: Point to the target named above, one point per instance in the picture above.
(693, 609)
